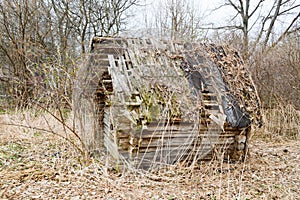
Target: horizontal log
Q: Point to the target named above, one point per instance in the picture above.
(186, 132)
(97, 56)
(173, 143)
(185, 135)
(112, 49)
(107, 40)
(196, 147)
(101, 62)
(169, 157)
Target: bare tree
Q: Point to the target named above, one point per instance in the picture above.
(264, 25)
(277, 73)
(95, 17)
(250, 14)
(176, 19)
(44, 39)
(23, 33)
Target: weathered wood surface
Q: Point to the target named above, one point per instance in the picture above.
(155, 103)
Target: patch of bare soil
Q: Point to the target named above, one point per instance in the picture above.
(37, 165)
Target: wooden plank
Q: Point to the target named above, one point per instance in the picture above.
(168, 158)
(164, 122)
(101, 62)
(175, 144)
(114, 50)
(169, 128)
(128, 61)
(97, 56)
(198, 147)
(174, 155)
(108, 40)
(133, 58)
(132, 103)
(184, 135)
(126, 73)
(157, 135)
(118, 78)
(174, 129)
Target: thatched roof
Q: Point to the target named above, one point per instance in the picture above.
(218, 68)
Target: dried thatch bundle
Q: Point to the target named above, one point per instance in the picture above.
(151, 103)
(238, 80)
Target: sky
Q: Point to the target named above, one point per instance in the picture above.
(205, 9)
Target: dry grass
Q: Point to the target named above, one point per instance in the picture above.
(282, 122)
(39, 165)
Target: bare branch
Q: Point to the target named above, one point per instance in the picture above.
(289, 9)
(287, 31)
(257, 6)
(239, 10)
(270, 28)
(222, 27)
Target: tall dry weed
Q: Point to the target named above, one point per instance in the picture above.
(282, 122)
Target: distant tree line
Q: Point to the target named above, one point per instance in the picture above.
(42, 40)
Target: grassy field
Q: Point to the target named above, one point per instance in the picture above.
(35, 164)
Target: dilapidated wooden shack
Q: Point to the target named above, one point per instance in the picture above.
(152, 103)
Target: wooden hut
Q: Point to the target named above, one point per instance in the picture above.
(153, 103)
